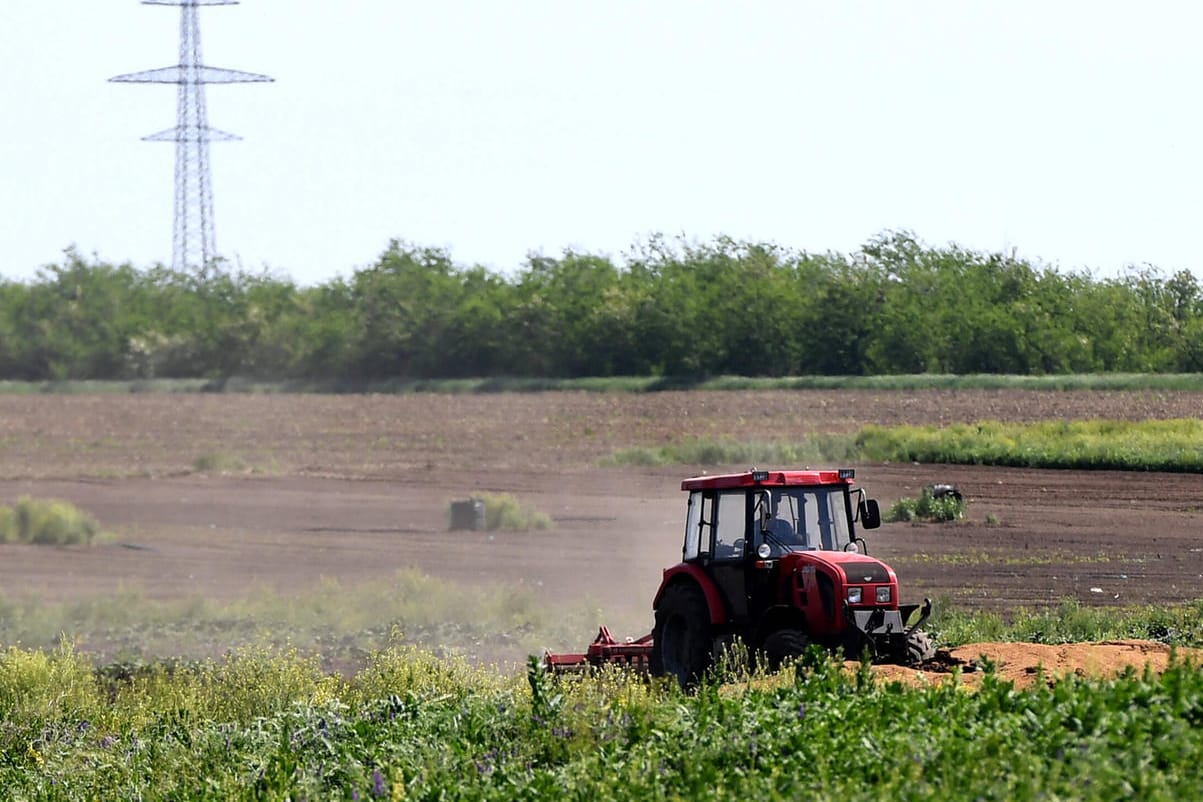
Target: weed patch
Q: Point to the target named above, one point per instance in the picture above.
(218, 462)
(931, 505)
(504, 511)
(46, 522)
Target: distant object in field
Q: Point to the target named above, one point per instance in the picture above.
(468, 514)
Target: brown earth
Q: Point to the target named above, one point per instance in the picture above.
(358, 487)
(1026, 663)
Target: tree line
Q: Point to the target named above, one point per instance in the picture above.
(668, 308)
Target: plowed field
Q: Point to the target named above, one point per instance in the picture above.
(216, 494)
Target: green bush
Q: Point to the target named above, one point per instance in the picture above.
(503, 511)
(927, 506)
(218, 462)
(46, 522)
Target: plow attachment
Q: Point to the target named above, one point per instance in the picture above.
(635, 655)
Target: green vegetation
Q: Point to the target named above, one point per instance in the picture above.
(927, 506)
(46, 522)
(1150, 445)
(680, 312)
(1070, 622)
(503, 511)
(218, 462)
(270, 725)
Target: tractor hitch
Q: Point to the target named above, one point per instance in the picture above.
(885, 632)
(632, 653)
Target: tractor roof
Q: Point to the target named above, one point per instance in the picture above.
(729, 481)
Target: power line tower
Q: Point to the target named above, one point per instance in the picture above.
(194, 244)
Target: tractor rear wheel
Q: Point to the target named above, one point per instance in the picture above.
(919, 648)
(681, 640)
(784, 645)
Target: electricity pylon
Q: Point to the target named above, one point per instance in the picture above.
(194, 243)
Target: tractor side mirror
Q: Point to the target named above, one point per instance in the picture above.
(763, 514)
(870, 514)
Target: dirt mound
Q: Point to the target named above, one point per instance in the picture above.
(1024, 663)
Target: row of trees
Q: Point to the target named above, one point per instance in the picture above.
(668, 308)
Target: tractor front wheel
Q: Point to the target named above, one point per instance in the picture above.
(783, 645)
(681, 640)
(919, 648)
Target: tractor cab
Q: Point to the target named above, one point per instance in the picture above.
(760, 515)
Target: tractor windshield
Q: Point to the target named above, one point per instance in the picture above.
(800, 518)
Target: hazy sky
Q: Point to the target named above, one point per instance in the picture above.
(1069, 131)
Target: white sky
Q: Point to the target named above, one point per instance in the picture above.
(1070, 131)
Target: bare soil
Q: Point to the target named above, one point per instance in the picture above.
(1024, 664)
(358, 487)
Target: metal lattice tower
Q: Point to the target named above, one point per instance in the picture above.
(194, 244)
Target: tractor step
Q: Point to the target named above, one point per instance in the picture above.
(634, 654)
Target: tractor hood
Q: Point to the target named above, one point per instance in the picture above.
(856, 568)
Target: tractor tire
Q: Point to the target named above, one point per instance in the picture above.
(919, 648)
(681, 640)
(784, 645)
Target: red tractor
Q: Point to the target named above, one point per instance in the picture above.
(772, 558)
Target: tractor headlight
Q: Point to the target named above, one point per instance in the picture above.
(883, 594)
(854, 595)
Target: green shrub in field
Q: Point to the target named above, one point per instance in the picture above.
(38, 684)
(46, 521)
(218, 462)
(503, 511)
(927, 506)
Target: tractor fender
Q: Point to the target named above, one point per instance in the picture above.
(684, 572)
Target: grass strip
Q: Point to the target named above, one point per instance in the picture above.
(1152, 445)
(1069, 622)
